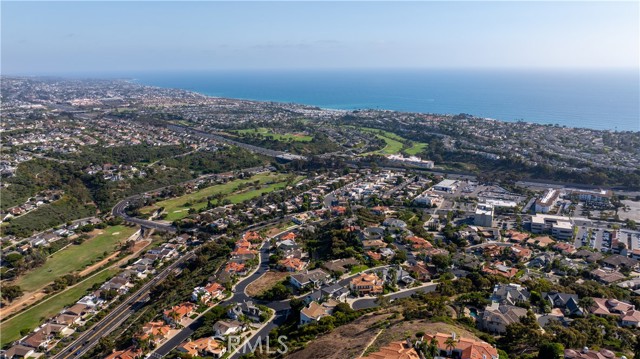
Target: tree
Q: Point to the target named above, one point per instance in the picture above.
(636, 349)
(450, 343)
(550, 351)
(586, 303)
(11, 292)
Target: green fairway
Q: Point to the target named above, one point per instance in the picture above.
(74, 258)
(35, 315)
(176, 209)
(394, 143)
(277, 136)
(416, 148)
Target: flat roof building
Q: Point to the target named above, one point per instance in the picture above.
(446, 186)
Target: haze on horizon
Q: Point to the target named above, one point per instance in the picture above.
(111, 37)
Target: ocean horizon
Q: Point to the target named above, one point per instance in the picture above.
(596, 99)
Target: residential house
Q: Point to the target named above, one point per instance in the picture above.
(155, 332)
(418, 243)
(292, 264)
(129, 353)
(373, 244)
(43, 336)
(394, 224)
(617, 261)
(252, 237)
(247, 309)
(227, 327)
(496, 318)
(314, 278)
(395, 350)
(464, 348)
(340, 265)
(607, 276)
(499, 268)
(567, 302)
(586, 353)
(18, 351)
(235, 268)
(203, 347)
(510, 294)
(177, 313)
(366, 284)
(207, 293)
(315, 311)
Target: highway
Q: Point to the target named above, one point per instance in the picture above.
(246, 146)
(117, 316)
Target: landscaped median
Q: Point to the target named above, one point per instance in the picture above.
(34, 316)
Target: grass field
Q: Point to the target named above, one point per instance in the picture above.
(176, 209)
(74, 258)
(277, 136)
(394, 143)
(416, 148)
(33, 316)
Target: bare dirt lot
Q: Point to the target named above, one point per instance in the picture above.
(265, 282)
(347, 341)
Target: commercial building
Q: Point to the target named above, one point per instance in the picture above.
(484, 215)
(410, 161)
(559, 226)
(545, 203)
(446, 186)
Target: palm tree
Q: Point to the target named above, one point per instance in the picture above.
(450, 343)
(174, 316)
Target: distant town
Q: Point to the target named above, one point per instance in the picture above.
(141, 222)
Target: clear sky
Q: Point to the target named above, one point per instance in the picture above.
(64, 37)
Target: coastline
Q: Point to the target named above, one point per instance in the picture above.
(589, 108)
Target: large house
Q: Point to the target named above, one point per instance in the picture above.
(395, 350)
(177, 313)
(247, 309)
(366, 283)
(464, 348)
(207, 293)
(314, 278)
(154, 331)
(510, 294)
(203, 347)
(227, 327)
(567, 302)
(626, 313)
(496, 318)
(292, 264)
(316, 311)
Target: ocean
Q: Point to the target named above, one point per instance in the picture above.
(597, 99)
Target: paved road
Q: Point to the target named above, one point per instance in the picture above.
(120, 208)
(117, 316)
(261, 150)
(366, 303)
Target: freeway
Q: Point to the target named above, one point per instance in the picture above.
(252, 148)
(117, 316)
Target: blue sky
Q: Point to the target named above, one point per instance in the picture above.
(65, 37)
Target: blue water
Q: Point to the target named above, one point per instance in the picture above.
(602, 99)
